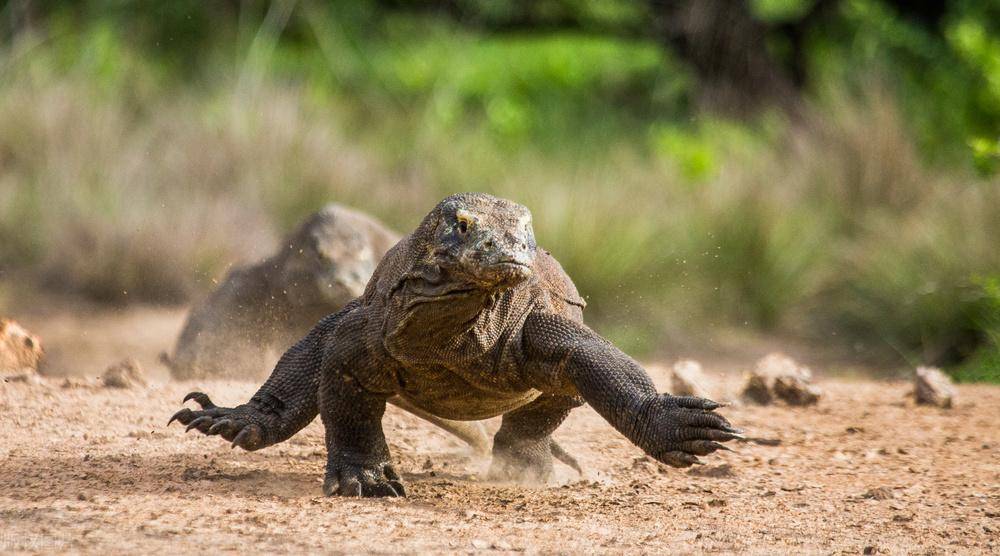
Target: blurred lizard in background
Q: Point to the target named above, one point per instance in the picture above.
(263, 309)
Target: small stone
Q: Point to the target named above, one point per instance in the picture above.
(795, 391)
(688, 379)
(779, 376)
(933, 387)
(127, 373)
(756, 390)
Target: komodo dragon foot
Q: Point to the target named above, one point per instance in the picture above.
(245, 426)
(367, 479)
(528, 462)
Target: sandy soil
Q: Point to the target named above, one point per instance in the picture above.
(86, 468)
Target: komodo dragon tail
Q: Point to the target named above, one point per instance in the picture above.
(473, 433)
(562, 455)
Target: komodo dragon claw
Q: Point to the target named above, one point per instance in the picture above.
(244, 426)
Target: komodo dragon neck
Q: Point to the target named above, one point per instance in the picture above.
(428, 317)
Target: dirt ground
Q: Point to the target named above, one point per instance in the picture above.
(85, 468)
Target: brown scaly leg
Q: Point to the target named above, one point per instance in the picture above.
(358, 461)
(523, 447)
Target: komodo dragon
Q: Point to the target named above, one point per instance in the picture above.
(266, 307)
(318, 269)
(467, 319)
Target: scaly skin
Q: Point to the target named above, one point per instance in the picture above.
(320, 267)
(317, 269)
(465, 318)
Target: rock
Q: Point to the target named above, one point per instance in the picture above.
(127, 373)
(756, 390)
(687, 379)
(933, 387)
(779, 376)
(795, 391)
(20, 350)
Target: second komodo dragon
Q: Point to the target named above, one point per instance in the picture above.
(319, 268)
(466, 319)
(266, 307)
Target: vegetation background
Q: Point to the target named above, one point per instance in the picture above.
(825, 170)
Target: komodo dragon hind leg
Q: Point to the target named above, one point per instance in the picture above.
(471, 432)
(523, 448)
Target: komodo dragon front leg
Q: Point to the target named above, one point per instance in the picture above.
(562, 355)
(287, 402)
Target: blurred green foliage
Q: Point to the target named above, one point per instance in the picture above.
(984, 363)
(139, 142)
(780, 10)
(944, 78)
(946, 74)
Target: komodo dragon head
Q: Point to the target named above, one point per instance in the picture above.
(480, 239)
(329, 258)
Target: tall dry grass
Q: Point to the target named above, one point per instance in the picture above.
(149, 203)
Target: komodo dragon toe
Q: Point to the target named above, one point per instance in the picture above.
(243, 426)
